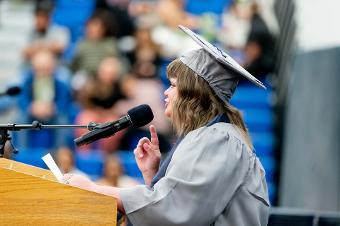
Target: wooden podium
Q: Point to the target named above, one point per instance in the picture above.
(32, 196)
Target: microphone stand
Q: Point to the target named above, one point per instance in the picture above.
(5, 136)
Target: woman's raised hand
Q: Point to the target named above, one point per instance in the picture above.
(148, 155)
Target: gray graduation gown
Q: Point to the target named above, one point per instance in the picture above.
(212, 179)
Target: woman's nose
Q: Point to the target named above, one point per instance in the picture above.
(166, 92)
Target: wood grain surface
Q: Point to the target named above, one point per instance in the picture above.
(32, 196)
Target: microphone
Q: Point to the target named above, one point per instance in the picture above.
(11, 91)
(136, 117)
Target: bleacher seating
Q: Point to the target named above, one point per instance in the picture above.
(73, 14)
(256, 106)
(90, 162)
(280, 216)
(291, 220)
(31, 156)
(248, 95)
(129, 164)
(263, 143)
(324, 220)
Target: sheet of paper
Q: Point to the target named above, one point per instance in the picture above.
(53, 167)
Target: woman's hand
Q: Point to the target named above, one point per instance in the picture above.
(79, 181)
(148, 155)
(85, 183)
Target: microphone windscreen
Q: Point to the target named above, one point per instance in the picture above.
(12, 91)
(140, 115)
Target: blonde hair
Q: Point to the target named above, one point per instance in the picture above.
(197, 104)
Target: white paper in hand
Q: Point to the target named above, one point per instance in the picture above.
(53, 167)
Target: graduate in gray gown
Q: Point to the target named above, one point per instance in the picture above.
(211, 176)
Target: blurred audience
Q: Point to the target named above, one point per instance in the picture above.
(143, 84)
(113, 174)
(103, 90)
(96, 46)
(65, 161)
(245, 33)
(144, 90)
(260, 46)
(46, 35)
(97, 98)
(8, 150)
(145, 59)
(235, 26)
(204, 17)
(118, 10)
(120, 61)
(44, 98)
(172, 13)
(200, 15)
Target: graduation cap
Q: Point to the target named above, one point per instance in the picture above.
(216, 67)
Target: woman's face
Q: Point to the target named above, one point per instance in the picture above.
(95, 29)
(170, 97)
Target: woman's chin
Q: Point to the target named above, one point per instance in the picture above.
(167, 114)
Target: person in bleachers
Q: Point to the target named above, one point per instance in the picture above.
(199, 15)
(172, 13)
(103, 90)
(8, 151)
(119, 13)
(143, 86)
(96, 46)
(45, 34)
(144, 90)
(146, 57)
(65, 161)
(260, 46)
(113, 174)
(246, 34)
(97, 99)
(44, 98)
(192, 13)
(235, 27)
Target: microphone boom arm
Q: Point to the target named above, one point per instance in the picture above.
(5, 136)
(136, 117)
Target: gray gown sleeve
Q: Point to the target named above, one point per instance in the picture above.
(208, 166)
